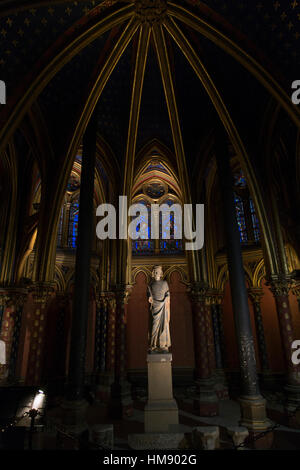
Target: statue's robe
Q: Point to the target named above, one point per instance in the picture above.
(160, 315)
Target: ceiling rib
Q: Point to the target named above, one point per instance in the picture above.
(230, 47)
(95, 94)
(166, 75)
(135, 106)
(229, 125)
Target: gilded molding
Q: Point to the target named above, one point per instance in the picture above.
(279, 285)
(230, 127)
(167, 79)
(255, 295)
(89, 106)
(230, 47)
(42, 291)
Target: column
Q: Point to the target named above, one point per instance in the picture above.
(100, 332)
(255, 295)
(253, 406)
(121, 388)
(280, 286)
(12, 301)
(221, 387)
(61, 333)
(75, 405)
(106, 350)
(296, 292)
(205, 402)
(19, 299)
(41, 293)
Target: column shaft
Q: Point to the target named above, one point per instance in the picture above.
(249, 382)
(83, 260)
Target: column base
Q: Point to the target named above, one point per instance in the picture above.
(292, 405)
(253, 414)
(206, 402)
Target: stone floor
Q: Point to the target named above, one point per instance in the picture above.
(285, 438)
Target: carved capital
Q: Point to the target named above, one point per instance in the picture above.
(13, 296)
(199, 292)
(255, 295)
(123, 293)
(215, 296)
(150, 11)
(296, 289)
(42, 291)
(279, 285)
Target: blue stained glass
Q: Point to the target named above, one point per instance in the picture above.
(141, 246)
(240, 180)
(171, 245)
(240, 216)
(73, 225)
(255, 223)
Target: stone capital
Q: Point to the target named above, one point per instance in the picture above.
(199, 292)
(255, 295)
(42, 291)
(296, 289)
(215, 296)
(13, 296)
(122, 293)
(279, 285)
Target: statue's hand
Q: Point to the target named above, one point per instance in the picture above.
(150, 300)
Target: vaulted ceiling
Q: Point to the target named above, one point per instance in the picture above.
(33, 33)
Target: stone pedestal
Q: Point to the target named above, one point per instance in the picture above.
(161, 411)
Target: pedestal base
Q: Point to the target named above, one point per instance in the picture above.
(161, 410)
(160, 415)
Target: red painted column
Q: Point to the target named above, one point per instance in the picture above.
(42, 293)
(280, 287)
(122, 401)
(205, 401)
(12, 301)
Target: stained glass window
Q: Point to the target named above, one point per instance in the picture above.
(254, 219)
(245, 211)
(73, 225)
(240, 216)
(140, 246)
(171, 245)
(239, 179)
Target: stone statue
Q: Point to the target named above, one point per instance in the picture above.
(159, 299)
